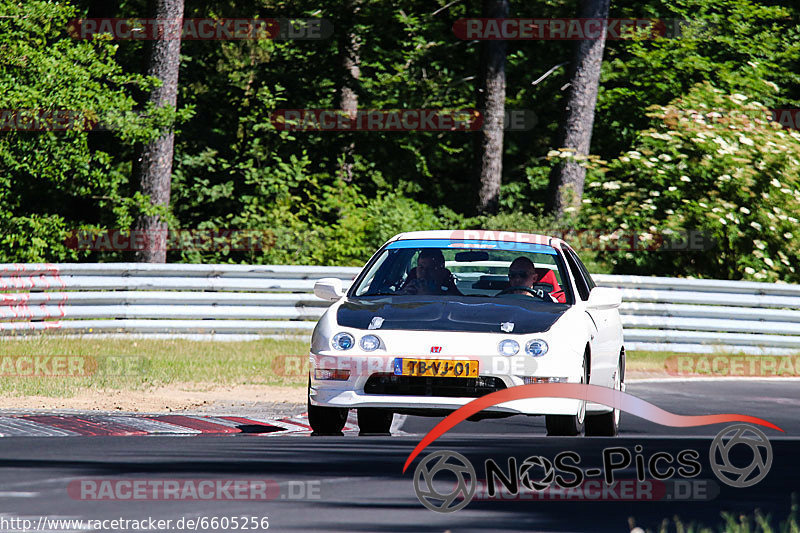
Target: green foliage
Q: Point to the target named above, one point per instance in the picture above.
(714, 163)
(53, 182)
(234, 170)
(739, 46)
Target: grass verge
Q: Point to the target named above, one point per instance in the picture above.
(67, 366)
(640, 364)
(757, 522)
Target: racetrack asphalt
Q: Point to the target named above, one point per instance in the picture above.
(356, 483)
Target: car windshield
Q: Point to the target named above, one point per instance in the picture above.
(444, 268)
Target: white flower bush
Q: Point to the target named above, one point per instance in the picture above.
(724, 169)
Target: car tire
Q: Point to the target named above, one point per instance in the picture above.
(563, 425)
(326, 420)
(568, 425)
(607, 424)
(373, 421)
(602, 425)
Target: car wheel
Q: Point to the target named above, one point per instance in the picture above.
(568, 425)
(326, 420)
(373, 421)
(607, 424)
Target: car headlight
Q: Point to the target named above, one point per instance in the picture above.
(343, 341)
(508, 347)
(536, 348)
(370, 343)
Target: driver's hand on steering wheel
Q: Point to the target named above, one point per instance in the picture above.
(528, 291)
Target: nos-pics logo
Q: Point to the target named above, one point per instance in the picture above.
(725, 470)
(444, 496)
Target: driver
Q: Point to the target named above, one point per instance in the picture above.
(430, 276)
(522, 273)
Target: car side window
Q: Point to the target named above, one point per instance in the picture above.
(588, 277)
(580, 282)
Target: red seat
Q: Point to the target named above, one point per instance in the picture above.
(548, 276)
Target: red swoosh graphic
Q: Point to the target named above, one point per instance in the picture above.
(576, 391)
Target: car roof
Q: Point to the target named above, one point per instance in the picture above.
(479, 235)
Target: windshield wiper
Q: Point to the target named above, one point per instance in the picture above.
(380, 294)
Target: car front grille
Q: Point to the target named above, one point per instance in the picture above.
(387, 383)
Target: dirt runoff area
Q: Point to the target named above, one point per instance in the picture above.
(195, 397)
(204, 398)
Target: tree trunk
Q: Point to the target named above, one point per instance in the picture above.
(350, 75)
(566, 181)
(155, 160)
(491, 101)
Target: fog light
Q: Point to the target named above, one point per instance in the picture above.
(343, 341)
(331, 374)
(536, 348)
(508, 347)
(370, 343)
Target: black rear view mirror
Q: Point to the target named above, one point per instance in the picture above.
(472, 255)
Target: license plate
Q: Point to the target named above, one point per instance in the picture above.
(435, 368)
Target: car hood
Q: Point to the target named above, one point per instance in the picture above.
(451, 314)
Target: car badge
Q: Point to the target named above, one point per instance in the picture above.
(376, 323)
(508, 327)
(436, 349)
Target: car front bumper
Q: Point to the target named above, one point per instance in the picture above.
(511, 370)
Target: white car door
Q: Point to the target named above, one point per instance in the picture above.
(606, 343)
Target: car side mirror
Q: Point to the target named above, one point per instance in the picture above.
(604, 298)
(329, 289)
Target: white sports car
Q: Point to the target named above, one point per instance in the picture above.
(438, 318)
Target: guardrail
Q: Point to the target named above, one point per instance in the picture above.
(238, 302)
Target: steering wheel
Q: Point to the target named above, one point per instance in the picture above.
(518, 288)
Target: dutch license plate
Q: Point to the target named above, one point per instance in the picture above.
(435, 368)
